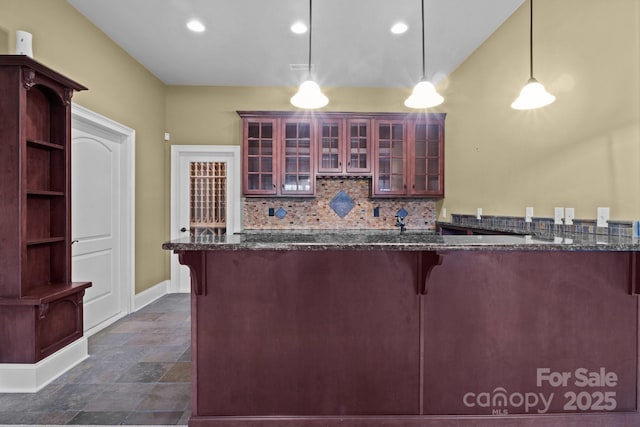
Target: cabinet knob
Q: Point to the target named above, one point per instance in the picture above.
(183, 229)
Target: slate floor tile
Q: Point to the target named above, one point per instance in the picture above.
(178, 373)
(170, 396)
(154, 418)
(99, 418)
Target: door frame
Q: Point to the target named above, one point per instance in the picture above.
(84, 118)
(234, 182)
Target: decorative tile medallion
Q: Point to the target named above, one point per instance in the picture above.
(281, 213)
(402, 213)
(342, 204)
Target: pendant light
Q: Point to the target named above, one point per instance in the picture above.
(424, 94)
(533, 94)
(309, 95)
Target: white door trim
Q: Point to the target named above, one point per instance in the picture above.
(83, 116)
(234, 182)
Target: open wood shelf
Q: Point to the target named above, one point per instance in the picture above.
(44, 193)
(45, 241)
(46, 293)
(44, 144)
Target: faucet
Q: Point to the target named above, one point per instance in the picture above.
(400, 223)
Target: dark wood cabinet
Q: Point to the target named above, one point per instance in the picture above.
(344, 146)
(40, 308)
(278, 156)
(426, 147)
(284, 152)
(260, 156)
(409, 156)
(297, 157)
(390, 158)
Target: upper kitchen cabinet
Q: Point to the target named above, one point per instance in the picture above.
(284, 152)
(278, 155)
(390, 157)
(344, 146)
(260, 156)
(297, 158)
(409, 156)
(426, 137)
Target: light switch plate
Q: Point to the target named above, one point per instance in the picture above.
(528, 214)
(443, 213)
(603, 217)
(479, 213)
(569, 215)
(558, 215)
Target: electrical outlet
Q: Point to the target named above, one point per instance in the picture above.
(528, 214)
(443, 213)
(479, 213)
(603, 217)
(569, 215)
(558, 215)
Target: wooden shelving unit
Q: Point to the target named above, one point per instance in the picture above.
(40, 308)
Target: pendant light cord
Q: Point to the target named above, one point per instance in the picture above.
(531, 39)
(423, 55)
(309, 69)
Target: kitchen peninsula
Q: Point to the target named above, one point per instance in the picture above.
(382, 328)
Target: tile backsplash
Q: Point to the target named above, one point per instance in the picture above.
(340, 203)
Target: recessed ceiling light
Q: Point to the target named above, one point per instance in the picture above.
(299, 28)
(196, 26)
(399, 28)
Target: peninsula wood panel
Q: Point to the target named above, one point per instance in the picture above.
(307, 333)
(493, 319)
(351, 338)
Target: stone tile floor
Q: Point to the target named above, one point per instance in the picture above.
(138, 372)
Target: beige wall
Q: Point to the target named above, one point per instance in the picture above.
(207, 114)
(583, 151)
(119, 88)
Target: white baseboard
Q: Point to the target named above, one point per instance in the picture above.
(30, 378)
(148, 296)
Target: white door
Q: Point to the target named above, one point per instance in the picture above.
(98, 220)
(187, 205)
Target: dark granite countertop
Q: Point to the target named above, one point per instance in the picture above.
(394, 240)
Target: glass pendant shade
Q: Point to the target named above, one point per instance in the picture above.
(309, 96)
(424, 95)
(532, 96)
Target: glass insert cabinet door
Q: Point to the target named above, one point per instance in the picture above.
(260, 157)
(390, 158)
(427, 164)
(297, 158)
(359, 146)
(207, 198)
(330, 146)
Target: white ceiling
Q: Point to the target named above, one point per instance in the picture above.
(249, 43)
